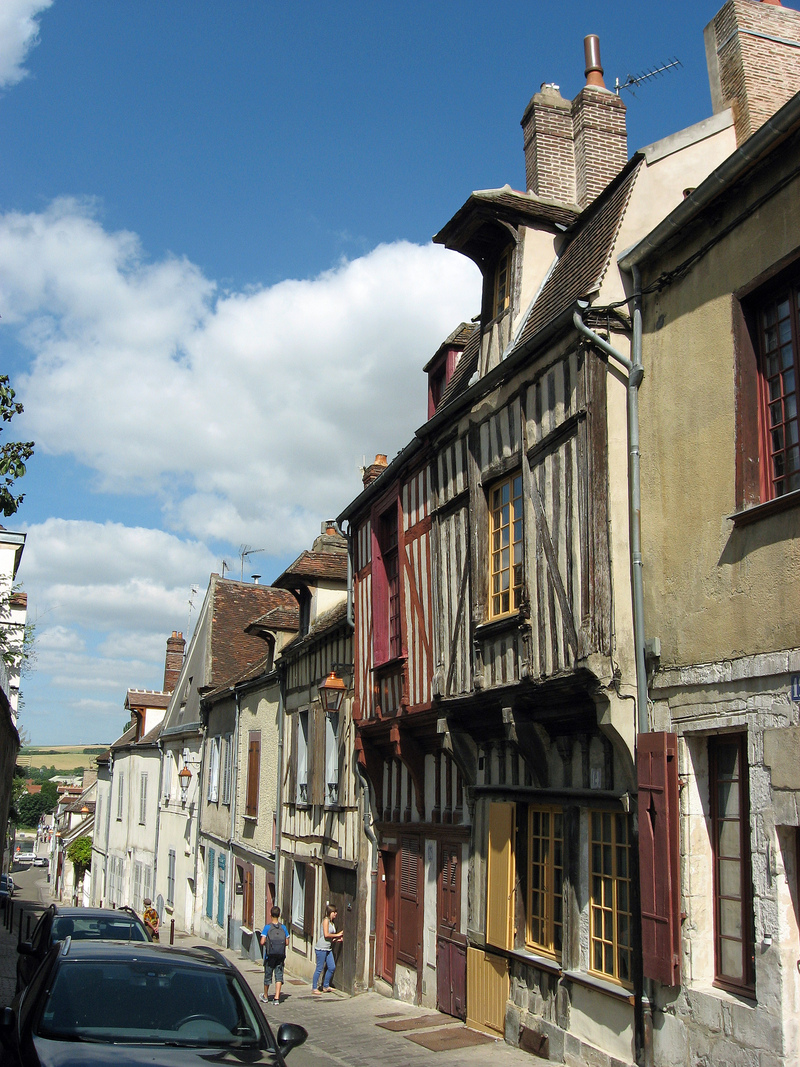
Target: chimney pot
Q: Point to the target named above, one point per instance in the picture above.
(374, 470)
(594, 68)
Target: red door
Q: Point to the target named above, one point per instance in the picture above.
(386, 967)
(451, 948)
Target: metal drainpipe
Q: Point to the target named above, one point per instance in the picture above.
(635, 375)
(373, 874)
(234, 797)
(349, 536)
(279, 812)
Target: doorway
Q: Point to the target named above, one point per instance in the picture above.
(451, 944)
(342, 887)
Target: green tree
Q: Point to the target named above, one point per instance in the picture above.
(80, 853)
(13, 454)
(30, 806)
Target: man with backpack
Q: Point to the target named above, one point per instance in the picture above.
(274, 939)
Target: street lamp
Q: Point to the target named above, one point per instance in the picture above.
(331, 692)
(185, 777)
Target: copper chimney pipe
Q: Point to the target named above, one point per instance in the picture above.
(594, 68)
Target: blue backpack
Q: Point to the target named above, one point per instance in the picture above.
(276, 941)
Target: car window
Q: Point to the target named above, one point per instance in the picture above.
(31, 995)
(41, 933)
(146, 1001)
(92, 928)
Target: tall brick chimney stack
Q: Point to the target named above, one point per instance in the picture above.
(753, 57)
(574, 149)
(173, 661)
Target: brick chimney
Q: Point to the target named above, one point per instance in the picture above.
(173, 661)
(574, 149)
(753, 57)
(374, 470)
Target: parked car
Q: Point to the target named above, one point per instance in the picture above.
(6, 887)
(40, 861)
(81, 924)
(24, 857)
(94, 1003)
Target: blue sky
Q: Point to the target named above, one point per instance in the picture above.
(217, 288)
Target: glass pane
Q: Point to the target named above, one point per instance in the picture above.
(730, 918)
(729, 839)
(790, 407)
(730, 880)
(772, 365)
(788, 382)
(787, 357)
(769, 315)
(728, 761)
(770, 338)
(624, 965)
(731, 961)
(776, 414)
(783, 308)
(728, 798)
(777, 440)
(785, 329)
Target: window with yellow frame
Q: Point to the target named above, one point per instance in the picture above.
(610, 949)
(545, 925)
(505, 547)
(502, 284)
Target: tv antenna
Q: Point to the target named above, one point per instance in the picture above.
(645, 75)
(192, 594)
(245, 551)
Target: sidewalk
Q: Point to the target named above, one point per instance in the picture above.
(343, 1031)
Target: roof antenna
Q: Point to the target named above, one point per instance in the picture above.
(637, 79)
(245, 551)
(192, 594)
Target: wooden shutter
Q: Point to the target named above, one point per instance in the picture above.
(248, 901)
(253, 773)
(380, 594)
(500, 876)
(408, 918)
(308, 904)
(659, 856)
(291, 763)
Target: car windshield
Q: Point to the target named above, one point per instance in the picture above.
(148, 1002)
(91, 928)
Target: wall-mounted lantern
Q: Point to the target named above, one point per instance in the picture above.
(331, 692)
(185, 776)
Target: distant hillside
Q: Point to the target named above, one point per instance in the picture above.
(62, 757)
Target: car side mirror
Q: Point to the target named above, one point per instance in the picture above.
(25, 948)
(290, 1035)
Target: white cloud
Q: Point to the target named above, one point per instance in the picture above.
(19, 31)
(246, 412)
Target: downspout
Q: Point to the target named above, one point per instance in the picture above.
(349, 536)
(635, 373)
(233, 786)
(279, 812)
(373, 872)
(158, 815)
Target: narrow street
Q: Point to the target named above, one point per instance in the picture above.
(343, 1031)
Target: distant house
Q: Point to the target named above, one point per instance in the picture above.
(12, 620)
(126, 823)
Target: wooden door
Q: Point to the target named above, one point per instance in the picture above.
(451, 949)
(342, 895)
(386, 886)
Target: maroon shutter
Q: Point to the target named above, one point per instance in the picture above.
(659, 856)
(408, 919)
(308, 905)
(253, 773)
(380, 597)
(248, 909)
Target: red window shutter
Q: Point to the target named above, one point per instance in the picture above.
(249, 898)
(253, 773)
(408, 918)
(659, 856)
(380, 597)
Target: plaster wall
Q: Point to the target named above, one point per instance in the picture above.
(538, 256)
(178, 831)
(718, 592)
(429, 906)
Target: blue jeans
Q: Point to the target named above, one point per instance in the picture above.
(325, 961)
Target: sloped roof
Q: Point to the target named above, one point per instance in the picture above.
(126, 739)
(244, 676)
(311, 565)
(584, 260)
(462, 231)
(276, 619)
(146, 698)
(459, 338)
(236, 604)
(467, 366)
(327, 620)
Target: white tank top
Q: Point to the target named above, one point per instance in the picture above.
(323, 940)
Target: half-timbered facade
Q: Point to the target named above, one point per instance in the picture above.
(324, 855)
(502, 727)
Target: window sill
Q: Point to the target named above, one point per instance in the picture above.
(603, 985)
(389, 665)
(535, 959)
(250, 818)
(765, 510)
(496, 626)
(246, 930)
(724, 995)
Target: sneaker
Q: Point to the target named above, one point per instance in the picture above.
(263, 999)
(276, 1002)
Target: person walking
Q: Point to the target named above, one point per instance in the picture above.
(150, 918)
(329, 936)
(274, 939)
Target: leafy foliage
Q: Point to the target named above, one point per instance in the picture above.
(13, 454)
(28, 807)
(80, 852)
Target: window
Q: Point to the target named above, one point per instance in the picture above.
(298, 894)
(610, 950)
(730, 822)
(545, 880)
(302, 757)
(147, 876)
(253, 774)
(120, 792)
(779, 365)
(213, 770)
(142, 799)
(221, 890)
(332, 757)
(171, 877)
(505, 528)
(137, 886)
(210, 884)
(391, 568)
(227, 770)
(502, 284)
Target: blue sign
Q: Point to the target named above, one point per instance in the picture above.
(796, 687)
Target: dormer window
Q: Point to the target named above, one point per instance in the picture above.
(502, 284)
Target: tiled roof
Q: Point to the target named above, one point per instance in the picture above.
(331, 565)
(235, 605)
(466, 367)
(505, 203)
(585, 258)
(126, 739)
(457, 339)
(276, 619)
(146, 698)
(334, 616)
(244, 676)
